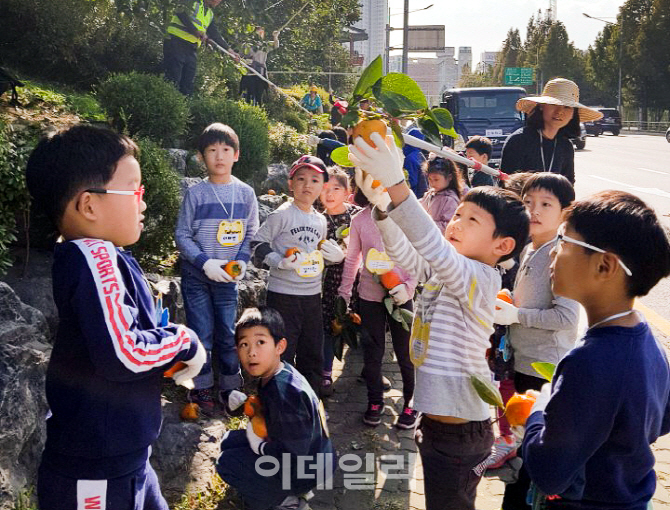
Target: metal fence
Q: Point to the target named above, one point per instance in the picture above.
(653, 127)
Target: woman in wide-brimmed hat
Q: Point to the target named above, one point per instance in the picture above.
(544, 145)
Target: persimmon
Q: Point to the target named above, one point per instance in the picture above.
(233, 268)
(365, 128)
(190, 412)
(505, 295)
(291, 251)
(254, 411)
(355, 318)
(336, 327)
(180, 365)
(518, 408)
(390, 280)
(320, 243)
(272, 192)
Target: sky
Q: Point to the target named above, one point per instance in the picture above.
(483, 24)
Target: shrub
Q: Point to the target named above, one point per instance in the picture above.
(14, 151)
(162, 198)
(286, 144)
(144, 105)
(249, 122)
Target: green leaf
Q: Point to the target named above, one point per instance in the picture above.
(397, 134)
(340, 306)
(545, 369)
(371, 75)
(396, 315)
(340, 157)
(430, 130)
(405, 326)
(338, 346)
(350, 118)
(388, 303)
(398, 94)
(407, 315)
(443, 118)
(486, 390)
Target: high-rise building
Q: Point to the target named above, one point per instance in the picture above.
(433, 75)
(374, 16)
(464, 59)
(487, 60)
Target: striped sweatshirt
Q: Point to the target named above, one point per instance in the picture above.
(105, 374)
(204, 207)
(457, 303)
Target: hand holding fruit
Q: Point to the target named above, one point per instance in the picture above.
(331, 251)
(214, 269)
(400, 294)
(193, 366)
(377, 195)
(236, 269)
(255, 441)
(383, 163)
(505, 313)
(542, 399)
(292, 259)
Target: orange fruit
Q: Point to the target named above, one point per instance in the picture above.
(365, 128)
(272, 192)
(190, 412)
(518, 408)
(291, 251)
(320, 243)
(505, 295)
(174, 369)
(355, 318)
(375, 183)
(233, 268)
(253, 409)
(390, 280)
(336, 327)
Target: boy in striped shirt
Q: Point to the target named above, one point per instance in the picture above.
(454, 314)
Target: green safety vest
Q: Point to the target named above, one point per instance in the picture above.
(201, 16)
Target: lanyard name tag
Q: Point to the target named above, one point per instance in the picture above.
(418, 342)
(378, 262)
(230, 233)
(312, 265)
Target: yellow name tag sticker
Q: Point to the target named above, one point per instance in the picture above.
(418, 342)
(230, 233)
(378, 262)
(312, 265)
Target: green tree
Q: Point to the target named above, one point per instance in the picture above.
(653, 57)
(510, 55)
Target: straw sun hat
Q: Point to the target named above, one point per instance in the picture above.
(561, 92)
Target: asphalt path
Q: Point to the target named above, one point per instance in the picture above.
(638, 164)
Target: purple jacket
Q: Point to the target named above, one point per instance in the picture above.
(440, 205)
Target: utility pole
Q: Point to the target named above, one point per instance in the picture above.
(405, 36)
(618, 101)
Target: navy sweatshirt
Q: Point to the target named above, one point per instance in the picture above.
(609, 402)
(104, 377)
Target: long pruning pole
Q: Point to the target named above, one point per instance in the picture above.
(475, 165)
(224, 51)
(291, 18)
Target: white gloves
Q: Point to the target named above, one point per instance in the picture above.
(192, 369)
(400, 294)
(542, 399)
(254, 441)
(505, 313)
(243, 266)
(293, 262)
(377, 196)
(236, 399)
(384, 163)
(332, 252)
(213, 268)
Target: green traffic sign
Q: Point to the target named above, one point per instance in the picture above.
(519, 76)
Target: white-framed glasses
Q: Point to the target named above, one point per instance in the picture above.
(563, 237)
(139, 193)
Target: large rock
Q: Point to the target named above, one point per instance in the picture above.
(268, 203)
(24, 354)
(277, 178)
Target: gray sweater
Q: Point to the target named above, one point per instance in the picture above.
(289, 227)
(547, 326)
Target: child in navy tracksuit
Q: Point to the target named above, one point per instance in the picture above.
(276, 470)
(104, 378)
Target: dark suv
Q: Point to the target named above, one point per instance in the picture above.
(611, 120)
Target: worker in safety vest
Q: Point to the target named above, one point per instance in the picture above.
(189, 28)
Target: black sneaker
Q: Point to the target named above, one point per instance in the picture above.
(407, 419)
(203, 398)
(373, 415)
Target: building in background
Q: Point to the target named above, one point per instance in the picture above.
(374, 16)
(487, 60)
(464, 59)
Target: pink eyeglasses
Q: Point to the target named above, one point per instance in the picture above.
(139, 193)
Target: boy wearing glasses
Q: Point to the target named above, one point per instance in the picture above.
(587, 438)
(104, 378)
(217, 220)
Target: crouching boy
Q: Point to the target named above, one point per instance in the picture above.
(294, 423)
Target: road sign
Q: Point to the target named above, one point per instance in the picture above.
(519, 76)
(426, 38)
